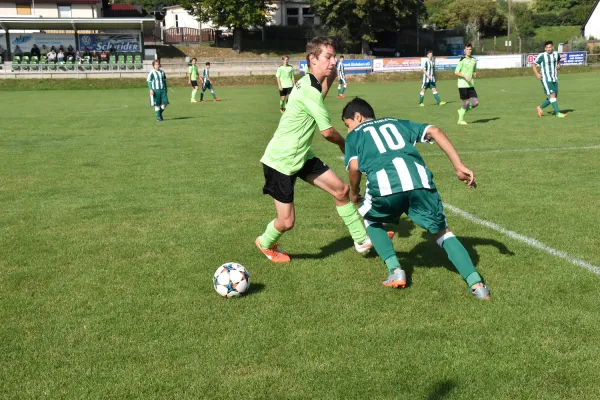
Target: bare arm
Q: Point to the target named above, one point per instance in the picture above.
(462, 172)
(279, 83)
(355, 176)
(333, 136)
(535, 70)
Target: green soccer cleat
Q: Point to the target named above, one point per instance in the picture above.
(421, 105)
(561, 115)
(462, 122)
(442, 103)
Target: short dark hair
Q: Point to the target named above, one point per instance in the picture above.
(207, 63)
(194, 59)
(429, 51)
(468, 45)
(342, 56)
(548, 42)
(357, 105)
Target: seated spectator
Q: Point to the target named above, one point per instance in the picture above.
(44, 50)
(112, 50)
(78, 57)
(52, 55)
(18, 51)
(61, 48)
(86, 52)
(95, 56)
(70, 50)
(35, 51)
(60, 56)
(53, 48)
(103, 56)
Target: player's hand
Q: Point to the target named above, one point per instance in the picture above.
(356, 198)
(467, 79)
(280, 88)
(151, 92)
(467, 176)
(539, 76)
(474, 74)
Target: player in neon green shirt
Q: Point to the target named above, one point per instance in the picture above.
(285, 81)
(193, 79)
(289, 156)
(466, 70)
(398, 182)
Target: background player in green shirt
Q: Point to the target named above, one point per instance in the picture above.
(193, 79)
(157, 83)
(207, 84)
(289, 156)
(398, 182)
(342, 83)
(466, 70)
(549, 62)
(429, 80)
(285, 81)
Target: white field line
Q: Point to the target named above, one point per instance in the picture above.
(530, 150)
(524, 239)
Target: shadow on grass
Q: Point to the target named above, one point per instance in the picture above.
(177, 118)
(255, 287)
(335, 247)
(441, 390)
(485, 120)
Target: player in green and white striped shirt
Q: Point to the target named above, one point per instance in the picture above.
(429, 80)
(549, 62)
(342, 83)
(157, 83)
(398, 182)
(207, 84)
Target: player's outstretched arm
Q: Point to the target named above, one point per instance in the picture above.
(462, 172)
(333, 136)
(354, 175)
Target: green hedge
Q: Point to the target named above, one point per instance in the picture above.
(571, 16)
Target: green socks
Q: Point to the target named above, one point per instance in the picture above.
(281, 106)
(383, 246)
(353, 223)
(213, 95)
(201, 95)
(421, 97)
(194, 94)
(343, 89)
(461, 114)
(545, 104)
(555, 105)
(460, 258)
(157, 112)
(437, 98)
(270, 237)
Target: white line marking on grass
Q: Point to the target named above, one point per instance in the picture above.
(533, 150)
(524, 239)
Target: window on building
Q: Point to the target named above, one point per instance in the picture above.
(64, 11)
(23, 9)
(293, 16)
(176, 21)
(308, 16)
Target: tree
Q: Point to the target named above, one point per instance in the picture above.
(560, 5)
(473, 15)
(153, 5)
(365, 18)
(234, 14)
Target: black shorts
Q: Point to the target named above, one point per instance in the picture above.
(467, 93)
(281, 187)
(194, 83)
(285, 91)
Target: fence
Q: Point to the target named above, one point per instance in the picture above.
(188, 35)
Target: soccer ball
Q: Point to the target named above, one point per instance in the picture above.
(231, 280)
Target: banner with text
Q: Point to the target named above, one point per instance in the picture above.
(570, 58)
(25, 41)
(499, 61)
(413, 64)
(350, 66)
(123, 43)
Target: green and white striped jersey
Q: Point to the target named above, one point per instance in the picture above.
(157, 80)
(548, 64)
(340, 70)
(386, 153)
(206, 75)
(429, 67)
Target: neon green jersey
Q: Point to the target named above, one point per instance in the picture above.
(194, 72)
(285, 73)
(467, 66)
(289, 149)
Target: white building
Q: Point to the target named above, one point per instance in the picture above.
(591, 26)
(52, 9)
(178, 17)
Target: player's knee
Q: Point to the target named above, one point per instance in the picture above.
(342, 193)
(288, 224)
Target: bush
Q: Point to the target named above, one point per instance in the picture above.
(596, 49)
(579, 44)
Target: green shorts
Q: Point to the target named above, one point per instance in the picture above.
(423, 206)
(207, 85)
(342, 81)
(428, 85)
(159, 98)
(550, 87)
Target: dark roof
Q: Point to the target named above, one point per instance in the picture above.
(591, 12)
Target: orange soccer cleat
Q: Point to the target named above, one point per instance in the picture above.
(274, 254)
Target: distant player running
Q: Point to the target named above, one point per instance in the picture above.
(289, 156)
(207, 84)
(193, 79)
(285, 81)
(398, 182)
(429, 80)
(549, 62)
(466, 70)
(157, 83)
(343, 83)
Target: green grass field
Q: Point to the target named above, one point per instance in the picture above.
(112, 225)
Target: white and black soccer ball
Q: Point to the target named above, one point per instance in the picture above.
(231, 280)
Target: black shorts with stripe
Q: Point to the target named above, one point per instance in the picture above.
(281, 186)
(467, 93)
